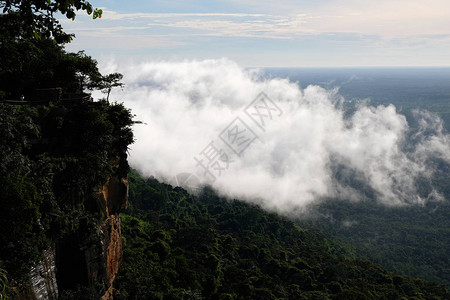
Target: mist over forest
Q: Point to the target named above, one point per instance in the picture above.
(316, 143)
(147, 159)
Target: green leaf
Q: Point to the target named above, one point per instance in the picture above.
(37, 35)
(97, 13)
(89, 8)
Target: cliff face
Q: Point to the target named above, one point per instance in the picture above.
(60, 229)
(43, 283)
(114, 195)
(91, 263)
(112, 252)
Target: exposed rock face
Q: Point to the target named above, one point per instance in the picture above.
(42, 285)
(115, 198)
(81, 261)
(114, 195)
(113, 251)
(43, 277)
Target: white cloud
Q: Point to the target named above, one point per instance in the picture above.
(345, 32)
(264, 26)
(112, 15)
(111, 40)
(387, 19)
(384, 18)
(187, 104)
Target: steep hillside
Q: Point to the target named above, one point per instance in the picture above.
(178, 246)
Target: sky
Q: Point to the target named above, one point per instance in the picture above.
(285, 33)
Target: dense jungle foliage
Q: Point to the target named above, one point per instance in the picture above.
(412, 240)
(179, 246)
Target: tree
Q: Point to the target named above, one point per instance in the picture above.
(108, 82)
(32, 52)
(38, 16)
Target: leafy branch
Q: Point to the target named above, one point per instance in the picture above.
(39, 20)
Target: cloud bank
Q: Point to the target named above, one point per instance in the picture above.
(282, 149)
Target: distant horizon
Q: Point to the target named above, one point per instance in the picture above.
(130, 59)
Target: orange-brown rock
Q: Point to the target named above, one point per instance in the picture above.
(114, 198)
(114, 195)
(113, 251)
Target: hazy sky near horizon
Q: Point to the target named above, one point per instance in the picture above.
(283, 33)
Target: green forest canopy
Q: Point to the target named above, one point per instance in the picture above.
(179, 246)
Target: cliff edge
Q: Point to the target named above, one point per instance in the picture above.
(63, 183)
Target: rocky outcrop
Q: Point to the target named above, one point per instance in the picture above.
(114, 196)
(80, 260)
(113, 252)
